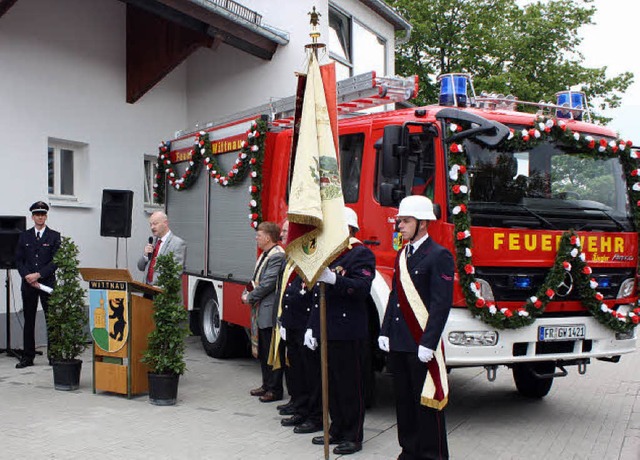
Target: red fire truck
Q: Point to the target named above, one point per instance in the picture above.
(540, 210)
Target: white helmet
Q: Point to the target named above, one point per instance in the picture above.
(351, 218)
(417, 206)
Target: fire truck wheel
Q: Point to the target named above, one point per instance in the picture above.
(528, 383)
(214, 333)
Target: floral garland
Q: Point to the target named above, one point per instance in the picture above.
(569, 258)
(250, 158)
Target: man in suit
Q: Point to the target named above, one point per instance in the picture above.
(348, 284)
(262, 298)
(165, 242)
(415, 317)
(34, 260)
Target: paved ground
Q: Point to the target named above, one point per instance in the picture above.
(596, 416)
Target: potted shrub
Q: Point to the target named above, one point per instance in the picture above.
(67, 318)
(165, 350)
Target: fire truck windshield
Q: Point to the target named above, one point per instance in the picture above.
(548, 187)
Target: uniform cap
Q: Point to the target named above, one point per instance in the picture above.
(351, 218)
(39, 206)
(417, 206)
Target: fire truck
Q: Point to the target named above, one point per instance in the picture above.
(537, 204)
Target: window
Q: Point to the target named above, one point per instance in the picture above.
(351, 146)
(66, 161)
(150, 172)
(353, 47)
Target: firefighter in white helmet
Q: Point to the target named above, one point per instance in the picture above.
(423, 280)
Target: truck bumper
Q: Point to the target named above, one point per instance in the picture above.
(523, 345)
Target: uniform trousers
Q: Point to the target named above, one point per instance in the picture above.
(422, 432)
(296, 372)
(30, 296)
(271, 379)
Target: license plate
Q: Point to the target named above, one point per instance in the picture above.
(572, 332)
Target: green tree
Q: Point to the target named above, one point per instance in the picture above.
(529, 51)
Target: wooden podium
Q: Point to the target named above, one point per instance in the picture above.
(120, 321)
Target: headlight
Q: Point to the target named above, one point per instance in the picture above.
(473, 338)
(626, 288)
(485, 290)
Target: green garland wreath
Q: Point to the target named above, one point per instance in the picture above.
(569, 256)
(249, 160)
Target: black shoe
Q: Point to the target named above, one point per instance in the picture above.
(258, 391)
(285, 406)
(294, 420)
(24, 363)
(347, 448)
(308, 427)
(288, 410)
(319, 440)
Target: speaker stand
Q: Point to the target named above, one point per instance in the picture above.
(16, 353)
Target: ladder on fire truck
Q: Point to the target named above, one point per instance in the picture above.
(354, 94)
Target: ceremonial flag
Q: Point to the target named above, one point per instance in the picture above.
(317, 228)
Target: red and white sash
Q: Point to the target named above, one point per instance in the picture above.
(435, 391)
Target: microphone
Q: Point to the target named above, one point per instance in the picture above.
(150, 240)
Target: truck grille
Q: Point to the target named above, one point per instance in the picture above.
(504, 282)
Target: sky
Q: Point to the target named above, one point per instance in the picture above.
(614, 41)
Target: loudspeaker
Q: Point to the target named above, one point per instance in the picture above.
(116, 213)
(10, 229)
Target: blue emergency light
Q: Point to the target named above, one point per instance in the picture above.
(453, 89)
(522, 282)
(570, 99)
(604, 282)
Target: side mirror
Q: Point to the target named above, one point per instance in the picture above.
(392, 150)
(390, 194)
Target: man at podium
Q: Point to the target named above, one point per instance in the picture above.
(162, 242)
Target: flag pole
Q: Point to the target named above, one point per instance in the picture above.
(314, 46)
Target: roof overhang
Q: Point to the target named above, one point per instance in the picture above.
(5, 5)
(163, 33)
(389, 14)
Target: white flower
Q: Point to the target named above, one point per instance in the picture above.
(456, 210)
(523, 313)
(549, 123)
(237, 161)
(202, 150)
(453, 172)
(254, 224)
(254, 174)
(510, 135)
(243, 156)
(561, 123)
(541, 126)
(612, 144)
(253, 203)
(604, 308)
(583, 257)
(464, 189)
(215, 179)
(202, 133)
(474, 289)
(588, 138)
(155, 185)
(524, 133)
(601, 149)
(243, 144)
(536, 133)
(467, 252)
(254, 148)
(576, 136)
(593, 284)
(636, 187)
(207, 160)
(492, 309)
(574, 252)
(191, 163)
(453, 127)
(172, 174)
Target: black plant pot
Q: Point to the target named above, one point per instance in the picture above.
(163, 389)
(66, 374)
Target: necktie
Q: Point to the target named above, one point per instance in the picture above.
(152, 263)
(37, 236)
(409, 250)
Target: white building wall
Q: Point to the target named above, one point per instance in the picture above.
(62, 75)
(243, 81)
